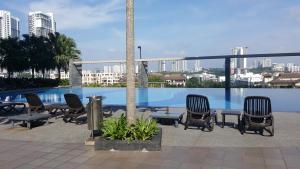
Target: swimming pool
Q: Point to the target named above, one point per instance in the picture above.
(283, 100)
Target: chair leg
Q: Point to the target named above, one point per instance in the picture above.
(12, 124)
(261, 132)
(272, 127)
(28, 125)
(243, 127)
(186, 124)
(211, 124)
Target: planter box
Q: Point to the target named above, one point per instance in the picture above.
(150, 145)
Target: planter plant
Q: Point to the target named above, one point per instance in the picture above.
(117, 134)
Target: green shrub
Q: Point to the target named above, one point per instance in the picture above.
(144, 129)
(64, 82)
(119, 129)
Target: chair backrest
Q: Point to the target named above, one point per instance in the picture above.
(258, 106)
(34, 101)
(73, 101)
(197, 103)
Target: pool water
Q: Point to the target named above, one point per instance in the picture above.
(283, 100)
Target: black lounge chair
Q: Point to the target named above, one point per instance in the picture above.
(257, 115)
(8, 107)
(199, 112)
(76, 108)
(36, 105)
(36, 111)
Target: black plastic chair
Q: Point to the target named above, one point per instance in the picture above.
(257, 115)
(76, 108)
(199, 112)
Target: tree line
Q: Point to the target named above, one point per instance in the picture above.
(37, 53)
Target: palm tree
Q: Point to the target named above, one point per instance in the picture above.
(130, 63)
(64, 49)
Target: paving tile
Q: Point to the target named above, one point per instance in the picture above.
(253, 160)
(253, 166)
(212, 162)
(52, 164)
(170, 163)
(110, 164)
(80, 159)
(50, 156)
(67, 165)
(275, 167)
(275, 162)
(38, 162)
(146, 166)
(128, 165)
(190, 166)
(210, 167)
(87, 166)
(26, 166)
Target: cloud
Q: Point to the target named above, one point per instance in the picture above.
(75, 15)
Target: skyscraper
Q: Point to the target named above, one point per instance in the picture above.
(179, 66)
(41, 24)
(266, 62)
(239, 64)
(198, 67)
(161, 66)
(9, 25)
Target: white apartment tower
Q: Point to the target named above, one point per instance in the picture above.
(41, 24)
(9, 25)
(197, 66)
(179, 66)
(239, 64)
(161, 66)
(266, 62)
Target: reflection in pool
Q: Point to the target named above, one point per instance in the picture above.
(285, 100)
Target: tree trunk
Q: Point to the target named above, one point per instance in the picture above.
(130, 63)
(32, 73)
(58, 69)
(8, 74)
(43, 72)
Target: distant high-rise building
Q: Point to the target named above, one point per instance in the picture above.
(118, 68)
(179, 66)
(239, 64)
(280, 67)
(41, 24)
(161, 66)
(197, 65)
(266, 62)
(9, 25)
(256, 64)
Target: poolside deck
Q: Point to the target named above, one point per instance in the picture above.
(60, 145)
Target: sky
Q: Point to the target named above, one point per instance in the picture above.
(172, 28)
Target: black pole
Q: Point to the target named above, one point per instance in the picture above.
(140, 48)
(227, 83)
(227, 73)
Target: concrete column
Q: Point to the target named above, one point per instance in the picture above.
(75, 73)
(143, 75)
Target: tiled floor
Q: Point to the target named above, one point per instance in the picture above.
(60, 145)
(29, 155)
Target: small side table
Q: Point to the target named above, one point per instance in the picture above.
(230, 112)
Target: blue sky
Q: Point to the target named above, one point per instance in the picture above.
(172, 28)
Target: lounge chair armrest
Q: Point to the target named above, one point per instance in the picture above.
(197, 113)
(253, 116)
